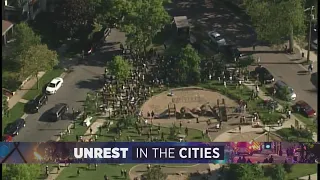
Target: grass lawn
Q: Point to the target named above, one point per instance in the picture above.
(244, 94)
(46, 78)
(112, 171)
(79, 130)
(290, 135)
(300, 170)
(14, 113)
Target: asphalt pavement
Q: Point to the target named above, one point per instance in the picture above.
(83, 79)
(216, 15)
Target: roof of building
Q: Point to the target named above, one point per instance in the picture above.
(181, 21)
(6, 25)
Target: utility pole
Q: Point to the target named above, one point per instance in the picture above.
(310, 27)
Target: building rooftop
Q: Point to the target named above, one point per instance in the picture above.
(181, 21)
(6, 25)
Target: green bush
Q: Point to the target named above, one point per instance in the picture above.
(284, 93)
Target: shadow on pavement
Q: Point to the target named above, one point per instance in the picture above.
(314, 79)
(92, 84)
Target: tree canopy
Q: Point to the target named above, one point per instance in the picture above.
(25, 38)
(120, 68)
(75, 15)
(276, 20)
(155, 172)
(144, 18)
(21, 171)
(244, 172)
(278, 172)
(189, 65)
(37, 58)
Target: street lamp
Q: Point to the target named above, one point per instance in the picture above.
(310, 27)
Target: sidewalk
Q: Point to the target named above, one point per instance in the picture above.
(262, 95)
(313, 177)
(17, 97)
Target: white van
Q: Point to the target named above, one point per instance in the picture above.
(280, 84)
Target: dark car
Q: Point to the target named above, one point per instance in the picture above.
(304, 108)
(231, 51)
(264, 74)
(57, 112)
(34, 105)
(13, 128)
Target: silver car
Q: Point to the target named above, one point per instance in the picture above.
(216, 38)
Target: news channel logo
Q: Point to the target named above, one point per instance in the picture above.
(268, 145)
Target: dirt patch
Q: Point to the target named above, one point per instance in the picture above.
(190, 98)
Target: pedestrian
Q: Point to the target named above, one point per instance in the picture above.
(106, 177)
(225, 84)
(254, 47)
(68, 130)
(78, 172)
(309, 177)
(239, 128)
(125, 174)
(278, 122)
(289, 114)
(180, 124)
(310, 68)
(186, 131)
(122, 172)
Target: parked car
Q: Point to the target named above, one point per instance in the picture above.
(280, 84)
(216, 38)
(263, 74)
(304, 108)
(34, 105)
(13, 128)
(54, 85)
(57, 112)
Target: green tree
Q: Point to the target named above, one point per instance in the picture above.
(244, 172)
(73, 16)
(275, 20)
(128, 121)
(5, 107)
(120, 68)
(143, 21)
(284, 93)
(189, 65)
(35, 59)
(25, 38)
(112, 11)
(92, 103)
(155, 173)
(278, 172)
(21, 171)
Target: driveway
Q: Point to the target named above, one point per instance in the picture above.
(216, 15)
(83, 79)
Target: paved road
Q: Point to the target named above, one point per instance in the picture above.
(77, 84)
(215, 15)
